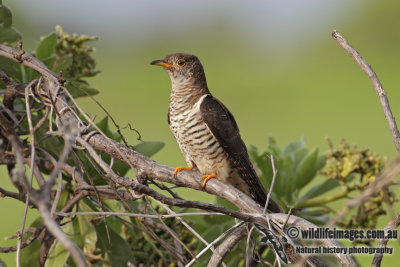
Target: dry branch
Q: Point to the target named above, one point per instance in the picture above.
(376, 84)
(392, 225)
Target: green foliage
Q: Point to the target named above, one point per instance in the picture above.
(297, 166)
(8, 34)
(354, 170)
(59, 51)
(83, 64)
(114, 248)
(109, 246)
(46, 46)
(149, 148)
(347, 170)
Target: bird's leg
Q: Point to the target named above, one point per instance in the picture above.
(207, 177)
(178, 169)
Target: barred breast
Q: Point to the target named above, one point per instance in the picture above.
(198, 145)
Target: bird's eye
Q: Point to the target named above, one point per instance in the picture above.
(181, 62)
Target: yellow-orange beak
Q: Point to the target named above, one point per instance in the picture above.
(161, 63)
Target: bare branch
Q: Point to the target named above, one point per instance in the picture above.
(227, 245)
(33, 155)
(392, 225)
(377, 86)
(26, 243)
(56, 231)
(214, 242)
(138, 215)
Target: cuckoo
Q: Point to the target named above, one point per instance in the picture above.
(206, 131)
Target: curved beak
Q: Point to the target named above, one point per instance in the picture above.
(161, 63)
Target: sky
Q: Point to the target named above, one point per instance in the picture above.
(278, 22)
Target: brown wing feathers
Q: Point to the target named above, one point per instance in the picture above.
(223, 126)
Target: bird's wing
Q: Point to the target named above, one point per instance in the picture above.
(223, 126)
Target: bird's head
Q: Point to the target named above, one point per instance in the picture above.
(183, 69)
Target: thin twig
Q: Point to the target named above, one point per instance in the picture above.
(171, 212)
(247, 253)
(33, 154)
(139, 215)
(69, 139)
(178, 243)
(56, 231)
(214, 242)
(24, 244)
(275, 172)
(104, 109)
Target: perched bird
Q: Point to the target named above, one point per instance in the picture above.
(206, 131)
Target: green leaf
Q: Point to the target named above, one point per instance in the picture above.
(46, 46)
(149, 148)
(299, 155)
(85, 229)
(31, 253)
(49, 62)
(103, 126)
(285, 176)
(294, 146)
(59, 255)
(58, 64)
(306, 170)
(264, 164)
(118, 251)
(9, 34)
(318, 220)
(319, 189)
(12, 68)
(62, 63)
(120, 168)
(273, 146)
(78, 89)
(30, 74)
(2, 263)
(5, 16)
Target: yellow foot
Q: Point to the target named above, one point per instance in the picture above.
(178, 169)
(207, 177)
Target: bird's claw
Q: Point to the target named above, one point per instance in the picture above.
(178, 169)
(208, 177)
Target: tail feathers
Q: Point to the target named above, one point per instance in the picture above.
(257, 191)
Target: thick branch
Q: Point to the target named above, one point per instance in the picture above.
(234, 238)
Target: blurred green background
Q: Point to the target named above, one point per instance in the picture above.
(274, 65)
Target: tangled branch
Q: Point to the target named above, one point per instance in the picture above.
(84, 135)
